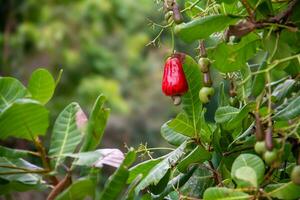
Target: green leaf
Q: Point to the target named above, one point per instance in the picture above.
(176, 182)
(181, 124)
(198, 182)
(218, 193)
(284, 190)
(13, 153)
(232, 57)
(283, 89)
(10, 90)
(117, 181)
(156, 173)
(25, 119)
(243, 113)
(291, 111)
(248, 160)
(203, 27)
(246, 174)
(41, 85)
(171, 136)
(142, 168)
(225, 114)
(198, 155)
(66, 134)
(96, 124)
(17, 169)
(79, 190)
(190, 101)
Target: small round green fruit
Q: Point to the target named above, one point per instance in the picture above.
(270, 156)
(206, 93)
(260, 147)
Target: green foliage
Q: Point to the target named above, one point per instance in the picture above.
(256, 63)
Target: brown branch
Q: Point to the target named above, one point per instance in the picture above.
(216, 174)
(61, 186)
(284, 15)
(46, 163)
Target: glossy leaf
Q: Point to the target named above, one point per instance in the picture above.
(96, 124)
(142, 168)
(291, 111)
(41, 85)
(218, 193)
(7, 187)
(66, 134)
(25, 119)
(10, 90)
(17, 169)
(161, 168)
(79, 190)
(171, 136)
(203, 27)
(283, 89)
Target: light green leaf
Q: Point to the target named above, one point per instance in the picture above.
(218, 193)
(248, 160)
(117, 181)
(16, 186)
(17, 169)
(96, 124)
(142, 168)
(171, 136)
(291, 111)
(41, 85)
(10, 90)
(203, 27)
(158, 172)
(79, 190)
(190, 101)
(246, 174)
(66, 134)
(25, 119)
(181, 124)
(284, 190)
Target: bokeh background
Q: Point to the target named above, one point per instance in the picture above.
(102, 47)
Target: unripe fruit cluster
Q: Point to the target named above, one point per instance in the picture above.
(207, 91)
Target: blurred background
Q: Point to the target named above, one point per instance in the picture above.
(102, 47)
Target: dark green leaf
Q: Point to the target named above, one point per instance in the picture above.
(284, 190)
(171, 136)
